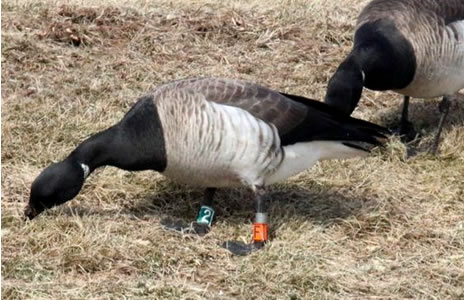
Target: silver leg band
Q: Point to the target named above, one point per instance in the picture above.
(261, 217)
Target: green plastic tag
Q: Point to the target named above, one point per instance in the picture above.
(205, 215)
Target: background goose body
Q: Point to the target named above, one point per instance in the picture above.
(212, 133)
(435, 31)
(413, 47)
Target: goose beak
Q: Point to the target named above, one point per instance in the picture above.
(30, 212)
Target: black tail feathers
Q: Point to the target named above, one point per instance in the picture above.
(325, 123)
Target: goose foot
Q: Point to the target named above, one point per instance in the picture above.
(444, 108)
(241, 249)
(405, 129)
(260, 227)
(200, 229)
(407, 132)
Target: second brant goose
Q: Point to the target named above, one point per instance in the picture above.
(413, 47)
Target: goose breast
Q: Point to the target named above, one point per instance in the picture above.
(210, 144)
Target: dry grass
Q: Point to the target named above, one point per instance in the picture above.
(385, 227)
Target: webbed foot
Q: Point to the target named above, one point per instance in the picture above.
(241, 249)
(405, 130)
(200, 229)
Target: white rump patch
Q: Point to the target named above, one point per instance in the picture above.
(302, 156)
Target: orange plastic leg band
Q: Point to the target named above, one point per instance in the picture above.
(260, 232)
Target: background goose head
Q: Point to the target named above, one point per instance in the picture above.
(55, 185)
(345, 86)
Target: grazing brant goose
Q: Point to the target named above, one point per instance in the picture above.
(212, 133)
(413, 47)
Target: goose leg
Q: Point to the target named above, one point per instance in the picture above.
(443, 107)
(203, 223)
(406, 129)
(260, 228)
(206, 214)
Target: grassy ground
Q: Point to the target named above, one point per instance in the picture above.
(384, 227)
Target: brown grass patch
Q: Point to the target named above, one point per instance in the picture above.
(385, 227)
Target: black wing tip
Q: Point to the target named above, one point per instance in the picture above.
(333, 111)
(375, 130)
(372, 135)
(351, 131)
(359, 147)
(366, 144)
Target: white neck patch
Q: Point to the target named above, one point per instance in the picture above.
(363, 75)
(86, 170)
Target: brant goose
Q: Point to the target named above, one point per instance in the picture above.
(212, 133)
(413, 47)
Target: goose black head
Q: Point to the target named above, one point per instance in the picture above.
(56, 184)
(345, 87)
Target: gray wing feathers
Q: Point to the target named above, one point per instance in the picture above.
(259, 101)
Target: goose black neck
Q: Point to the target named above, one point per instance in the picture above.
(381, 59)
(386, 57)
(98, 150)
(136, 143)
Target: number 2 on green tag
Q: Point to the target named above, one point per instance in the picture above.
(205, 215)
